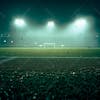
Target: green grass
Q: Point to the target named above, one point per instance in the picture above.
(45, 52)
(45, 77)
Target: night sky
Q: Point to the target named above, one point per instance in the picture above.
(40, 11)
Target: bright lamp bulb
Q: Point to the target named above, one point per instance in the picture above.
(19, 22)
(51, 24)
(80, 22)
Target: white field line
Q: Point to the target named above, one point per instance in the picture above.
(11, 58)
(58, 57)
(7, 59)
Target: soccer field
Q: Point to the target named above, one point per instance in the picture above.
(53, 78)
(49, 74)
(50, 52)
(40, 59)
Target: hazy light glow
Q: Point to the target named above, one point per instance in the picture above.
(40, 45)
(19, 22)
(51, 24)
(79, 26)
(81, 22)
(62, 45)
(50, 35)
(12, 41)
(5, 41)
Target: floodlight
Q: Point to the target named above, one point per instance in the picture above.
(51, 24)
(19, 22)
(80, 25)
(81, 22)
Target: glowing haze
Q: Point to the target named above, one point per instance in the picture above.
(76, 34)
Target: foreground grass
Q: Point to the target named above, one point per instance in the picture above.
(50, 79)
(48, 86)
(58, 52)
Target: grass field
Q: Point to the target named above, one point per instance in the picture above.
(49, 74)
(55, 52)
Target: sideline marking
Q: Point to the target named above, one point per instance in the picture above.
(7, 59)
(60, 57)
